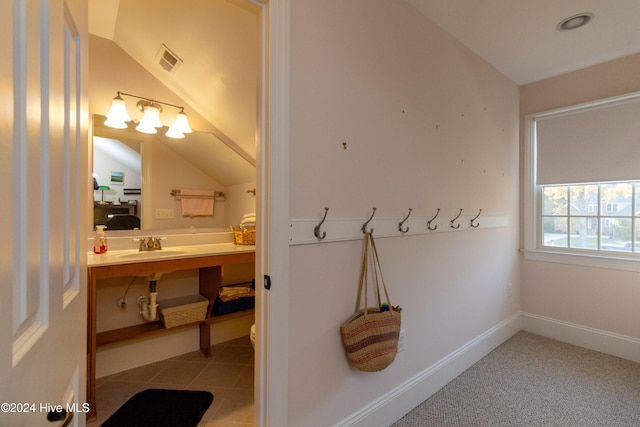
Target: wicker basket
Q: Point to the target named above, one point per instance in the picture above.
(244, 236)
(180, 311)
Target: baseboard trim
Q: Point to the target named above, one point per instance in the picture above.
(393, 405)
(594, 339)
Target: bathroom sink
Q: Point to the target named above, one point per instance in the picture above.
(152, 254)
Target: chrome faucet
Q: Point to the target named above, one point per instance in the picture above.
(150, 244)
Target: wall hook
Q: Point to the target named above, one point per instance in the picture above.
(316, 229)
(403, 221)
(474, 218)
(364, 226)
(431, 220)
(454, 220)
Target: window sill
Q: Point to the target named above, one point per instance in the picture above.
(584, 259)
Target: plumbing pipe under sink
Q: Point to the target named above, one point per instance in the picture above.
(149, 304)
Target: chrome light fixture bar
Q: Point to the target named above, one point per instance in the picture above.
(118, 116)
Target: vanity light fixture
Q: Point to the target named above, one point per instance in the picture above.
(575, 21)
(118, 116)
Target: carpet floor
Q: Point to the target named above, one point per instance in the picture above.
(535, 381)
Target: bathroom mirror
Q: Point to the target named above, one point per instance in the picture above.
(136, 173)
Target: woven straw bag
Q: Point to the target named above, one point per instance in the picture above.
(370, 335)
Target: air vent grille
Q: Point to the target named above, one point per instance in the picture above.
(168, 60)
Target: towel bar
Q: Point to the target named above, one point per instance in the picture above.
(216, 195)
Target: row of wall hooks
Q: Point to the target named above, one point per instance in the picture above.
(472, 223)
(454, 223)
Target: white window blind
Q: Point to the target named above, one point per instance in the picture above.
(592, 144)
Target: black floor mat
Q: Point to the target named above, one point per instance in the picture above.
(160, 408)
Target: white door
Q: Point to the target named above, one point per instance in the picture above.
(43, 171)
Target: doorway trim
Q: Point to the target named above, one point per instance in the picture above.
(272, 249)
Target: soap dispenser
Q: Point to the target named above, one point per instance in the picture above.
(100, 242)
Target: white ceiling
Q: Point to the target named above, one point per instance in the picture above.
(519, 37)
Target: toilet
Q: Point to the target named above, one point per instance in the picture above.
(252, 336)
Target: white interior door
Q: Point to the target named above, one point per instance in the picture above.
(44, 176)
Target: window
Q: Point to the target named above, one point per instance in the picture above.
(582, 184)
(569, 222)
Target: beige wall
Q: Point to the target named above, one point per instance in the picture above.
(171, 172)
(601, 81)
(428, 125)
(603, 299)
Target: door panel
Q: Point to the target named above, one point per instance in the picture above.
(42, 250)
(72, 158)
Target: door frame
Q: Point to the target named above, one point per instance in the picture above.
(272, 254)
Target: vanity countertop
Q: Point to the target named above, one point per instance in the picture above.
(132, 256)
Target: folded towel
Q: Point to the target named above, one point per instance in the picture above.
(197, 202)
(231, 293)
(249, 221)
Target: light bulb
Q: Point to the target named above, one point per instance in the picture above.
(174, 133)
(182, 123)
(117, 115)
(150, 121)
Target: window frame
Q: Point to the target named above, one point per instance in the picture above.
(533, 215)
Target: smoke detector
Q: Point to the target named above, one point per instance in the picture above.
(168, 60)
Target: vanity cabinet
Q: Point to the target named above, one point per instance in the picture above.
(210, 268)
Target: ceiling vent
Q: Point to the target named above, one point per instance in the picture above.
(168, 60)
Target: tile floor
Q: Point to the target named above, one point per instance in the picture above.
(228, 374)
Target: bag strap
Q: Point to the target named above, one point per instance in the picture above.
(377, 275)
(363, 274)
(369, 254)
(378, 270)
